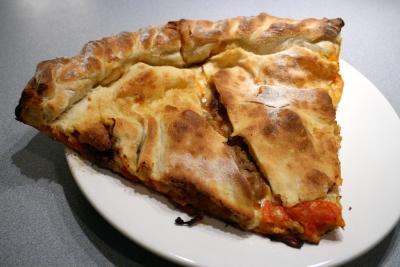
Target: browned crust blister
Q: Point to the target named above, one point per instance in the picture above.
(160, 125)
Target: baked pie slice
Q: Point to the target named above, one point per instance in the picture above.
(233, 118)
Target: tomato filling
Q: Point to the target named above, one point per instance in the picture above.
(315, 216)
(275, 215)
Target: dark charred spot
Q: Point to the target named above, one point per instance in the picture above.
(269, 129)
(42, 88)
(291, 122)
(192, 118)
(316, 177)
(178, 129)
(169, 108)
(289, 240)
(29, 94)
(191, 222)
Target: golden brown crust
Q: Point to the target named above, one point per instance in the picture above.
(138, 104)
(291, 132)
(162, 141)
(59, 83)
(210, 168)
(262, 34)
(299, 66)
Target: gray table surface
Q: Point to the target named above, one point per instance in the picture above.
(44, 218)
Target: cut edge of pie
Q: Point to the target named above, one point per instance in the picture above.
(233, 118)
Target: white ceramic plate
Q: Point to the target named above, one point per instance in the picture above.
(370, 164)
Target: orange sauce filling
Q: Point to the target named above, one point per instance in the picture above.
(274, 214)
(315, 216)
